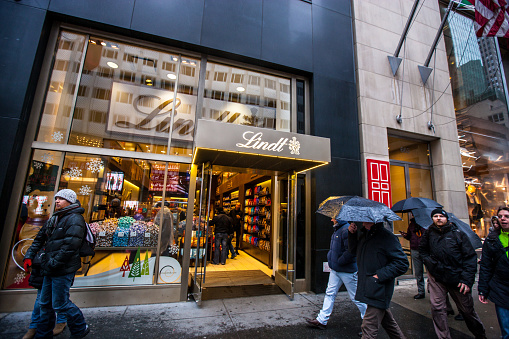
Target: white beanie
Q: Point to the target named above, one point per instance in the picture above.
(67, 194)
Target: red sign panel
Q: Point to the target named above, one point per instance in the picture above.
(379, 181)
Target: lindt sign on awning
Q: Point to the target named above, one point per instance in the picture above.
(253, 140)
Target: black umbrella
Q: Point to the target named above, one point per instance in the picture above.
(355, 208)
(423, 218)
(407, 205)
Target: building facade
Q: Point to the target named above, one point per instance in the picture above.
(158, 114)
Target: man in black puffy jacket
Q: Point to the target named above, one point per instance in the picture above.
(380, 260)
(223, 228)
(61, 239)
(343, 270)
(451, 262)
(494, 270)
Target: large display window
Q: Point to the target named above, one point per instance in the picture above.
(108, 94)
(135, 208)
(478, 83)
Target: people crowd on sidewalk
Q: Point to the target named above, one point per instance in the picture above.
(367, 261)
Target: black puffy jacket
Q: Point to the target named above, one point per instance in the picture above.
(61, 244)
(448, 255)
(494, 271)
(222, 223)
(378, 252)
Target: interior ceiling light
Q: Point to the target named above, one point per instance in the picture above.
(240, 89)
(92, 41)
(112, 64)
(171, 76)
(103, 43)
(148, 80)
(114, 46)
(174, 59)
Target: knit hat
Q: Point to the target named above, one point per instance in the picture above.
(68, 195)
(440, 211)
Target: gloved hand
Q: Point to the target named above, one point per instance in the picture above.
(26, 264)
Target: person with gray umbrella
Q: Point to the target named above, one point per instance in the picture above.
(451, 262)
(380, 259)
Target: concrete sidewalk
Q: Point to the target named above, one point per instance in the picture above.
(272, 316)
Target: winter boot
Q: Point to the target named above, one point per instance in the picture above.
(59, 328)
(30, 333)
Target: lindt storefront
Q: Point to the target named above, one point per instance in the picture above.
(153, 141)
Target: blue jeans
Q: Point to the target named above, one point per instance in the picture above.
(55, 298)
(230, 247)
(336, 279)
(36, 313)
(503, 321)
(221, 242)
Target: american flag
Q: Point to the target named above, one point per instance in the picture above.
(491, 18)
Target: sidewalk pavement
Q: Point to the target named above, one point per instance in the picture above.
(273, 316)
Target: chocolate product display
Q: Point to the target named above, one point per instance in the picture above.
(121, 235)
(137, 233)
(105, 230)
(151, 233)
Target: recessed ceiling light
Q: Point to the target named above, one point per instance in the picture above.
(240, 89)
(103, 43)
(148, 80)
(92, 41)
(112, 64)
(174, 58)
(171, 76)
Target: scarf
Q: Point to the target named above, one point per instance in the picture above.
(52, 222)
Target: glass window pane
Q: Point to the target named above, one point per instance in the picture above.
(408, 150)
(398, 191)
(478, 87)
(244, 97)
(36, 207)
(56, 117)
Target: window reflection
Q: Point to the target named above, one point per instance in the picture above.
(482, 118)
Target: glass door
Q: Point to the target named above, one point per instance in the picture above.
(286, 233)
(200, 237)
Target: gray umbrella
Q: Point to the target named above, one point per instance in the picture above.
(423, 219)
(407, 205)
(355, 208)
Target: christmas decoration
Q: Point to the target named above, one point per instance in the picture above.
(125, 266)
(95, 165)
(136, 268)
(145, 270)
(74, 173)
(174, 249)
(28, 189)
(85, 190)
(57, 136)
(47, 157)
(38, 165)
(294, 146)
(18, 279)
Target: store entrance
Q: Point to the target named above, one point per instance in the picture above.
(260, 251)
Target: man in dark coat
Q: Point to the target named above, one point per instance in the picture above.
(343, 270)
(61, 239)
(494, 270)
(451, 262)
(237, 215)
(223, 227)
(380, 259)
(413, 234)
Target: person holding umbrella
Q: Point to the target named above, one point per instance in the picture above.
(494, 270)
(380, 259)
(451, 262)
(343, 270)
(413, 235)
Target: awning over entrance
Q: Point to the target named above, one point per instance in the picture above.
(253, 147)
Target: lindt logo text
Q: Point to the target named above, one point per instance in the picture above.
(254, 141)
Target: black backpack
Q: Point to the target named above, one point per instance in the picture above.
(88, 245)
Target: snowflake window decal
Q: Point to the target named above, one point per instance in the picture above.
(28, 189)
(47, 157)
(85, 190)
(95, 165)
(38, 165)
(18, 279)
(294, 146)
(74, 173)
(57, 136)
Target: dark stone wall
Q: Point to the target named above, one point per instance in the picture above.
(315, 40)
